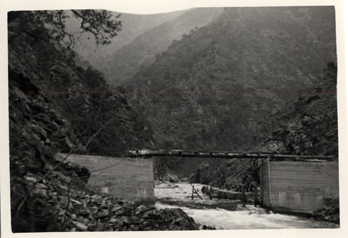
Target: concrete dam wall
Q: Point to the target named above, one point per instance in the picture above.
(129, 178)
(298, 187)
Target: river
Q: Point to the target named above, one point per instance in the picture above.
(226, 214)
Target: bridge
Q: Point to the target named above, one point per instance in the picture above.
(288, 183)
(146, 153)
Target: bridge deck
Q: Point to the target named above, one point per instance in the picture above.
(226, 154)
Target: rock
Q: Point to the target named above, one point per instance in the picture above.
(146, 215)
(75, 202)
(179, 219)
(134, 227)
(327, 214)
(204, 189)
(116, 208)
(208, 228)
(172, 178)
(140, 209)
(102, 214)
(79, 226)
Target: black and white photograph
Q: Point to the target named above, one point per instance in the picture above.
(202, 118)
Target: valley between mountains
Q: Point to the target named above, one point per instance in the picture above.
(206, 79)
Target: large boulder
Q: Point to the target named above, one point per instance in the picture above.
(173, 178)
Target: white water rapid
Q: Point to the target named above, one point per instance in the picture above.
(226, 214)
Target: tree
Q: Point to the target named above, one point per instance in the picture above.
(101, 24)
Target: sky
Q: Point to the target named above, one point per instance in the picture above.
(151, 6)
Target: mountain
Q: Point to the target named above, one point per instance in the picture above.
(51, 84)
(307, 126)
(133, 25)
(57, 106)
(125, 62)
(211, 88)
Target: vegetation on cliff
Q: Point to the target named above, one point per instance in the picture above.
(210, 89)
(142, 51)
(57, 106)
(307, 126)
(133, 25)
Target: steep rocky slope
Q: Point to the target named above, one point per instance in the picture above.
(208, 90)
(48, 78)
(56, 106)
(307, 126)
(125, 62)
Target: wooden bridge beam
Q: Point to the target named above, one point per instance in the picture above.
(225, 154)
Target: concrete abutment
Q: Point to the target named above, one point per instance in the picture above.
(129, 178)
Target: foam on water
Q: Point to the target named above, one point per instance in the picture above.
(227, 214)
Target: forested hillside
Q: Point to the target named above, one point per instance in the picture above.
(49, 79)
(210, 89)
(125, 62)
(307, 126)
(133, 25)
(235, 79)
(56, 106)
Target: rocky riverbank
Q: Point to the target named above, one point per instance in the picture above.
(77, 210)
(330, 213)
(104, 213)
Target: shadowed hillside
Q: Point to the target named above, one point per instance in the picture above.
(307, 126)
(56, 106)
(133, 25)
(208, 90)
(125, 62)
(214, 88)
